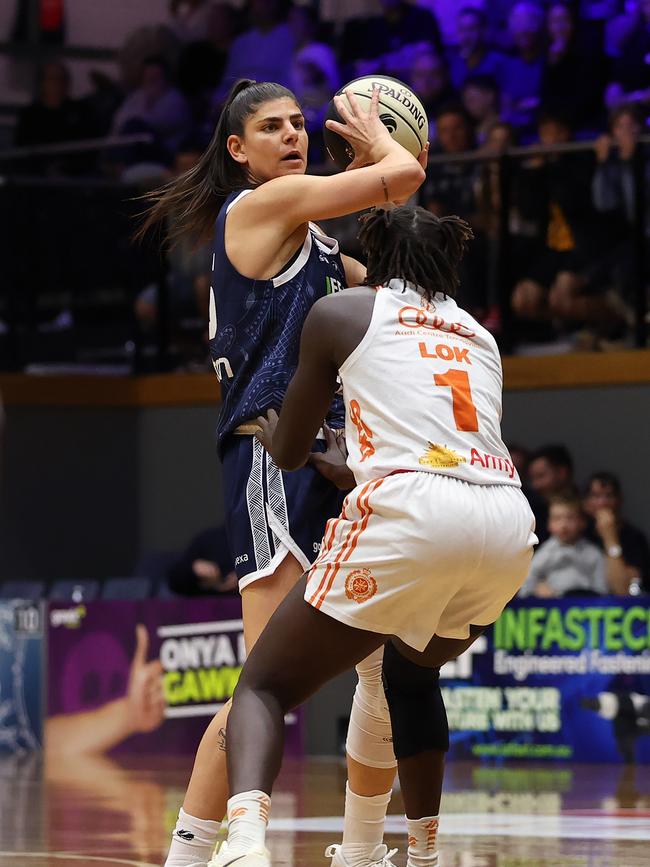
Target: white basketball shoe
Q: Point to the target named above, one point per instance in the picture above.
(380, 857)
(252, 858)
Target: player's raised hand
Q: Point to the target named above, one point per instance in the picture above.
(363, 130)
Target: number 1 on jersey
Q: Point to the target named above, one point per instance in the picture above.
(461, 398)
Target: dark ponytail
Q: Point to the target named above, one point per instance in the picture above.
(193, 200)
(414, 245)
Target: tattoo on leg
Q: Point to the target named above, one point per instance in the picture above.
(222, 739)
(385, 186)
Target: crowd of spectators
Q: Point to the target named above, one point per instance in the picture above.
(586, 545)
(508, 73)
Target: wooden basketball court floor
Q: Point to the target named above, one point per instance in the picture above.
(104, 812)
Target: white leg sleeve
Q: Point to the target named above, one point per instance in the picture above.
(370, 737)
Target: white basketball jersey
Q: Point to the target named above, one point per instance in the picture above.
(422, 392)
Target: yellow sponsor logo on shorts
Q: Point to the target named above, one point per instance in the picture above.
(440, 456)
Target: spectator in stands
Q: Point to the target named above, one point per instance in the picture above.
(625, 546)
(561, 290)
(429, 78)
(157, 104)
(524, 81)
(449, 187)
(191, 19)
(613, 181)
(574, 77)
(472, 56)
(52, 118)
(262, 51)
(481, 100)
(100, 105)
(550, 473)
(630, 79)
(189, 267)
(386, 42)
(566, 563)
(206, 567)
(620, 27)
(151, 40)
(314, 76)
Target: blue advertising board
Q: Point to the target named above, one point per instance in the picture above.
(21, 676)
(556, 679)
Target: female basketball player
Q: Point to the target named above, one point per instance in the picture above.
(270, 265)
(430, 546)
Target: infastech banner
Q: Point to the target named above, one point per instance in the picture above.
(555, 679)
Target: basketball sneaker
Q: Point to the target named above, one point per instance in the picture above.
(380, 857)
(252, 858)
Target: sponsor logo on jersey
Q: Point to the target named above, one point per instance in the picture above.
(492, 462)
(333, 285)
(360, 585)
(421, 317)
(440, 456)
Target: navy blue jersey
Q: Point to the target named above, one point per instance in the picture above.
(255, 325)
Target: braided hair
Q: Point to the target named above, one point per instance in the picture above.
(414, 245)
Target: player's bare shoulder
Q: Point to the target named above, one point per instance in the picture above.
(342, 319)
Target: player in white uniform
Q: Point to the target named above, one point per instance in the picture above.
(430, 546)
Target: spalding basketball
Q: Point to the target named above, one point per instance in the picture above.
(399, 109)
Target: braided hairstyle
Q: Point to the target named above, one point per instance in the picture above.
(414, 245)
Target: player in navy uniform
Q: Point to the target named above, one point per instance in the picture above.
(270, 265)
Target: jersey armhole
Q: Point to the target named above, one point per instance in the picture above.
(375, 320)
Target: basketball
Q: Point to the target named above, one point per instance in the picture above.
(399, 109)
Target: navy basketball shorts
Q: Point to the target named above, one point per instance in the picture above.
(270, 513)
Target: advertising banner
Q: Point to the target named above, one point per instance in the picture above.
(555, 679)
(146, 676)
(21, 676)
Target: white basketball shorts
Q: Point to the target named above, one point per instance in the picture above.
(420, 554)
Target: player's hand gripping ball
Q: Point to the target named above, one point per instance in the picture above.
(399, 109)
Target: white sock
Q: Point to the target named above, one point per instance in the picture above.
(363, 825)
(422, 834)
(192, 841)
(248, 816)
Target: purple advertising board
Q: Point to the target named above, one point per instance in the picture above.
(145, 676)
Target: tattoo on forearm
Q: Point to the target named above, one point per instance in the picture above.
(222, 740)
(385, 186)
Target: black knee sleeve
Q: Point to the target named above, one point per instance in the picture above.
(417, 711)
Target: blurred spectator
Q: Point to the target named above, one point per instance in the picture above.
(613, 181)
(191, 19)
(626, 547)
(562, 290)
(262, 51)
(520, 456)
(630, 79)
(153, 40)
(472, 55)
(449, 187)
(53, 117)
(385, 43)
(566, 563)
(524, 81)
(574, 78)
(550, 473)
(101, 103)
(429, 78)
(157, 104)
(314, 76)
(620, 27)
(481, 102)
(205, 567)
(188, 267)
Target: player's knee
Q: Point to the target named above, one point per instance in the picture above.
(417, 711)
(370, 740)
